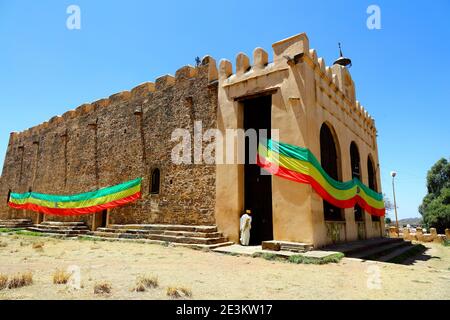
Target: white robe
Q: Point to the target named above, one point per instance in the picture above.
(246, 225)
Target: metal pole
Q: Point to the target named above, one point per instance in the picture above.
(395, 206)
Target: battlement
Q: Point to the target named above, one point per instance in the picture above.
(334, 81)
(139, 92)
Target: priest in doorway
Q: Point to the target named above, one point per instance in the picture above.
(245, 225)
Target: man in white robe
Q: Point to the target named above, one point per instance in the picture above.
(246, 225)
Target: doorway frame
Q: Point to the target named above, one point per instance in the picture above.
(243, 104)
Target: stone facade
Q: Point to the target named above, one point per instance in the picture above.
(306, 94)
(114, 140)
(129, 134)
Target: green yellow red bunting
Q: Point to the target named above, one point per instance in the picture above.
(79, 204)
(300, 165)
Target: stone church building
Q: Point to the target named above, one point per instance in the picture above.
(129, 135)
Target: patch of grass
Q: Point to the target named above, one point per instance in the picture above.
(103, 287)
(144, 282)
(10, 230)
(418, 249)
(20, 280)
(268, 256)
(3, 281)
(446, 243)
(178, 292)
(30, 233)
(61, 277)
(3, 244)
(86, 238)
(298, 259)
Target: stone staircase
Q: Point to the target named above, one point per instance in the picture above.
(275, 245)
(16, 223)
(191, 236)
(65, 229)
(380, 249)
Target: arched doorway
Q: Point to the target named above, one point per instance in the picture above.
(155, 181)
(372, 179)
(330, 162)
(356, 173)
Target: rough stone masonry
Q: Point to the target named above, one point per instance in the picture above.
(114, 140)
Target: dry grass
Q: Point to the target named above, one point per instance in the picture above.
(3, 281)
(61, 277)
(178, 292)
(20, 280)
(3, 244)
(38, 245)
(144, 282)
(103, 287)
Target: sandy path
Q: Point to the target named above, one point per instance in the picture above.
(212, 275)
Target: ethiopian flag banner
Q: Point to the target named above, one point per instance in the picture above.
(300, 165)
(79, 204)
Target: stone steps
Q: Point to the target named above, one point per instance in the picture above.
(275, 245)
(396, 253)
(149, 241)
(63, 224)
(15, 223)
(162, 232)
(374, 253)
(66, 232)
(66, 229)
(168, 227)
(61, 228)
(382, 249)
(182, 234)
(351, 248)
(160, 237)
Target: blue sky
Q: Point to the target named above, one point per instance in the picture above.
(401, 71)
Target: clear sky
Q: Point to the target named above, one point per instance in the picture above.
(401, 71)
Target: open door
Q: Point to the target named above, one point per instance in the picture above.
(100, 220)
(257, 187)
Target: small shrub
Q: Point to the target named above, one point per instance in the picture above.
(20, 280)
(299, 259)
(176, 293)
(61, 277)
(38, 245)
(186, 291)
(267, 256)
(143, 283)
(3, 281)
(3, 244)
(165, 243)
(102, 288)
(29, 233)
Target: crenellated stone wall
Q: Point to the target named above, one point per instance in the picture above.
(117, 139)
(129, 134)
(305, 94)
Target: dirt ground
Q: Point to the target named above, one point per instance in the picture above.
(212, 275)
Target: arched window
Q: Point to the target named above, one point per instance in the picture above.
(356, 173)
(330, 163)
(155, 183)
(372, 180)
(371, 174)
(9, 196)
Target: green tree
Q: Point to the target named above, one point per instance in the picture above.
(435, 208)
